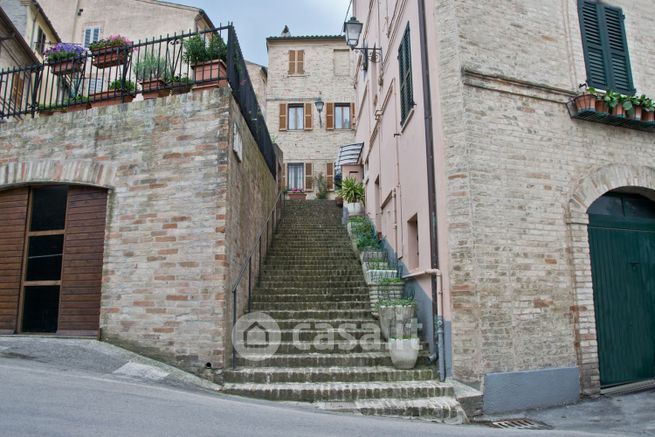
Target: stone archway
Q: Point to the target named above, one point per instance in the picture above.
(70, 171)
(586, 191)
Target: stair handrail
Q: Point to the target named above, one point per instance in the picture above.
(274, 214)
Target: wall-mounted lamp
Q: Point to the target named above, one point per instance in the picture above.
(353, 30)
(319, 107)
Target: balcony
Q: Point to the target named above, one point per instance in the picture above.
(600, 114)
(144, 70)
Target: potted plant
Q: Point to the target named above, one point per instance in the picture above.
(79, 103)
(114, 94)
(587, 100)
(297, 194)
(48, 110)
(110, 51)
(631, 106)
(612, 98)
(180, 84)
(207, 56)
(152, 72)
(395, 313)
(404, 351)
(65, 58)
(352, 193)
(648, 109)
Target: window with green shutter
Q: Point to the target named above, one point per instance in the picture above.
(605, 46)
(405, 62)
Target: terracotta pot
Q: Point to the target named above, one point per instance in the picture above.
(67, 67)
(601, 106)
(108, 98)
(109, 57)
(153, 89)
(180, 89)
(618, 111)
(211, 74)
(648, 117)
(297, 196)
(635, 114)
(585, 102)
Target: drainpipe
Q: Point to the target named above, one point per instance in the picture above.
(437, 294)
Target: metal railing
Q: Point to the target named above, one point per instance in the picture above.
(269, 228)
(153, 68)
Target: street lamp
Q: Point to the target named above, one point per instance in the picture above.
(319, 107)
(353, 30)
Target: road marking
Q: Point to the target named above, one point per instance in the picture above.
(141, 371)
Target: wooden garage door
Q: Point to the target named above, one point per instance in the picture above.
(81, 279)
(13, 215)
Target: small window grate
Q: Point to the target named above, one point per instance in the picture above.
(516, 424)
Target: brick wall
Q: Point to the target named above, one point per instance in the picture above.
(167, 165)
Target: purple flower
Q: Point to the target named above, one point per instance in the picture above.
(64, 51)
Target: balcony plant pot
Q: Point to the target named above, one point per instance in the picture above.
(354, 208)
(297, 196)
(585, 102)
(210, 74)
(648, 116)
(618, 111)
(636, 113)
(108, 98)
(404, 352)
(180, 89)
(601, 106)
(153, 89)
(109, 57)
(67, 67)
(386, 317)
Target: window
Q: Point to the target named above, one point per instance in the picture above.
(91, 34)
(405, 62)
(296, 117)
(342, 116)
(296, 62)
(296, 176)
(39, 42)
(605, 47)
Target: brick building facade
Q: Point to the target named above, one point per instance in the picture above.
(515, 178)
(301, 70)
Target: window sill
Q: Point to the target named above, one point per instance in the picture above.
(608, 119)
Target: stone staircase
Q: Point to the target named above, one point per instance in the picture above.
(312, 276)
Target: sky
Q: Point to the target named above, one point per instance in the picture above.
(255, 20)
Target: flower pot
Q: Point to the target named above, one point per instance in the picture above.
(67, 67)
(585, 102)
(635, 114)
(601, 106)
(647, 117)
(180, 89)
(109, 57)
(404, 352)
(387, 315)
(354, 208)
(297, 196)
(108, 98)
(618, 111)
(211, 74)
(405, 313)
(153, 88)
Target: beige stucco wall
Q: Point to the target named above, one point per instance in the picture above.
(328, 75)
(135, 19)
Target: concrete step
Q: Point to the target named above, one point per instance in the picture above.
(301, 334)
(338, 391)
(308, 304)
(364, 323)
(351, 359)
(276, 375)
(444, 409)
(330, 314)
(309, 285)
(309, 297)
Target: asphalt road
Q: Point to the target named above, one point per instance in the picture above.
(63, 389)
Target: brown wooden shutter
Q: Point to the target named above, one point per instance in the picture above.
(309, 177)
(81, 277)
(353, 117)
(300, 62)
(308, 116)
(292, 62)
(17, 86)
(330, 176)
(284, 118)
(13, 213)
(329, 115)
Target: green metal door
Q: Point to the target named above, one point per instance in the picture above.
(622, 249)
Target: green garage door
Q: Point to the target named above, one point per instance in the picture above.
(622, 249)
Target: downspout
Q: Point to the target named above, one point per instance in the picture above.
(437, 294)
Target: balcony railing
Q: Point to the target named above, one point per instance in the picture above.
(153, 68)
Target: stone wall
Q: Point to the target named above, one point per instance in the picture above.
(167, 164)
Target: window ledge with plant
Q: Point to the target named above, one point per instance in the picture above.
(613, 108)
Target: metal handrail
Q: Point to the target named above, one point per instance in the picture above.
(247, 265)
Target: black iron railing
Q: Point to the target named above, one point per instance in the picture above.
(152, 68)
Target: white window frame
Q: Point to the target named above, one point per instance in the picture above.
(95, 35)
(339, 119)
(296, 176)
(296, 116)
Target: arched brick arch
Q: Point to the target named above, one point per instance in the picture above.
(585, 192)
(71, 171)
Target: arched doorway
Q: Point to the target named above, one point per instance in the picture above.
(622, 251)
